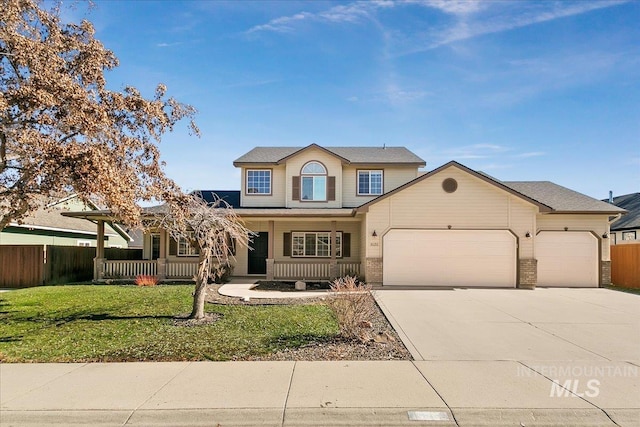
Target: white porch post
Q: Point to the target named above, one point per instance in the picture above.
(270, 254)
(162, 258)
(333, 264)
(98, 261)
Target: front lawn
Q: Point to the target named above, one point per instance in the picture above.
(126, 323)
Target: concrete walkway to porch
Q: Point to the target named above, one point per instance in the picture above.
(241, 288)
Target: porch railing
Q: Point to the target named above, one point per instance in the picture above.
(348, 268)
(313, 270)
(182, 269)
(119, 269)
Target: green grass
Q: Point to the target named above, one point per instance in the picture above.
(125, 323)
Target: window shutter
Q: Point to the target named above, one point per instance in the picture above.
(173, 247)
(286, 249)
(331, 188)
(346, 245)
(295, 187)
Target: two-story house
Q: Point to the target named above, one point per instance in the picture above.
(323, 212)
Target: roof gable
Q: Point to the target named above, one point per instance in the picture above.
(349, 155)
(483, 177)
(549, 197)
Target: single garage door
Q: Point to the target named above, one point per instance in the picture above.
(567, 258)
(449, 258)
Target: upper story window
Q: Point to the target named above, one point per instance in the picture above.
(370, 182)
(628, 235)
(259, 181)
(314, 182)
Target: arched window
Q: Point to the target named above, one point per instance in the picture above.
(314, 181)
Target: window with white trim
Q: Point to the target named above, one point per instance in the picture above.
(370, 182)
(315, 244)
(84, 243)
(185, 248)
(259, 181)
(628, 235)
(314, 182)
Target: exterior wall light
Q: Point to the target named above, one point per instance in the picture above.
(374, 234)
(528, 235)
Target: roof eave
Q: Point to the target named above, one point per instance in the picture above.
(557, 212)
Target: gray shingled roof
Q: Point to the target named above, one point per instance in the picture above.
(630, 202)
(559, 198)
(351, 154)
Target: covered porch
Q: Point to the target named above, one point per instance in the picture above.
(297, 244)
(156, 260)
(301, 244)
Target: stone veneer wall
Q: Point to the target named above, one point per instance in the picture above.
(528, 272)
(374, 271)
(605, 273)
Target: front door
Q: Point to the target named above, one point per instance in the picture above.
(258, 256)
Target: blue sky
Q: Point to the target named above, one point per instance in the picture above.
(521, 90)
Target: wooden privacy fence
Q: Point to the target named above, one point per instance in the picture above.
(21, 266)
(625, 265)
(33, 265)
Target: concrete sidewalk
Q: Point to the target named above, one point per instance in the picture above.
(348, 393)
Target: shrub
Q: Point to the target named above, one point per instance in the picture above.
(353, 305)
(146, 280)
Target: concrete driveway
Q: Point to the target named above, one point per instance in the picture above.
(544, 324)
(568, 349)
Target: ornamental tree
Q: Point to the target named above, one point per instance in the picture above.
(213, 229)
(62, 130)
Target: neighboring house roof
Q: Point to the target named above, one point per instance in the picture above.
(549, 197)
(52, 218)
(630, 202)
(231, 197)
(352, 155)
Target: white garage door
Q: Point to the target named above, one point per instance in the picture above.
(567, 258)
(449, 258)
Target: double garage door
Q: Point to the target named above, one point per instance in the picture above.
(486, 258)
(449, 258)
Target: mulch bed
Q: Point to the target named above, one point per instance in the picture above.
(284, 286)
(384, 345)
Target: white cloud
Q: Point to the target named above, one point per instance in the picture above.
(530, 154)
(348, 13)
(454, 7)
(509, 18)
(169, 44)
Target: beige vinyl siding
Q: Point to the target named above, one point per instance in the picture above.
(598, 224)
(476, 204)
(278, 189)
(334, 168)
(393, 177)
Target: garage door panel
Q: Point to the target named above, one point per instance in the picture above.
(449, 258)
(567, 259)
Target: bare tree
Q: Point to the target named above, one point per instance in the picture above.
(213, 229)
(62, 130)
